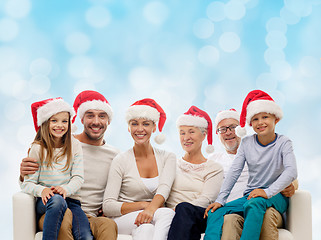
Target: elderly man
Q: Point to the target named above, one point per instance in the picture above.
(96, 114)
(225, 124)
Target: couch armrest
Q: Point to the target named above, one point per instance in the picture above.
(24, 216)
(299, 218)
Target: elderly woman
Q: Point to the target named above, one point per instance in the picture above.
(198, 180)
(140, 179)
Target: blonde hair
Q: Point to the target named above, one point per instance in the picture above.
(46, 142)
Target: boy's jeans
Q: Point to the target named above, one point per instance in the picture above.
(55, 210)
(253, 211)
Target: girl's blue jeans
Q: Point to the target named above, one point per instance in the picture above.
(55, 211)
(253, 211)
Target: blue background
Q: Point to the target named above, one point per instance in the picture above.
(206, 53)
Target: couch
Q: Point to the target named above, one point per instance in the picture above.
(298, 224)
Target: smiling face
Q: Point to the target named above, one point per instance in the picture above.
(191, 138)
(229, 139)
(141, 130)
(264, 125)
(58, 125)
(95, 124)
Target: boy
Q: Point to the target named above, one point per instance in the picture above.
(271, 164)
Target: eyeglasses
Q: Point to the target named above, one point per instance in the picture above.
(224, 129)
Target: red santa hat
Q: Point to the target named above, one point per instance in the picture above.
(256, 102)
(230, 113)
(45, 109)
(198, 118)
(148, 109)
(92, 100)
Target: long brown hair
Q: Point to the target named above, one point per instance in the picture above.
(46, 142)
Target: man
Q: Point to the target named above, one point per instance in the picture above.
(96, 114)
(225, 124)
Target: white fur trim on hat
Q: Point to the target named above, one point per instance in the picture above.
(209, 149)
(226, 114)
(190, 120)
(142, 111)
(259, 106)
(240, 131)
(95, 105)
(51, 108)
(160, 139)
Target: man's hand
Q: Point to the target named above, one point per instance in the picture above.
(100, 213)
(288, 191)
(257, 193)
(46, 194)
(28, 166)
(212, 206)
(59, 190)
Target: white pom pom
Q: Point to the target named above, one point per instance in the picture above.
(209, 149)
(240, 132)
(160, 139)
(73, 128)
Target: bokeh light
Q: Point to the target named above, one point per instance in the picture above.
(215, 11)
(229, 42)
(9, 29)
(98, 16)
(18, 8)
(203, 28)
(209, 55)
(156, 12)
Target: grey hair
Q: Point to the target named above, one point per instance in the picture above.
(203, 130)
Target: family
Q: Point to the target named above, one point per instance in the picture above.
(87, 189)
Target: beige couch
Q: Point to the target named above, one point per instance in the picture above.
(298, 226)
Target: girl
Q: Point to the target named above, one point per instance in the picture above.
(140, 179)
(60, 174)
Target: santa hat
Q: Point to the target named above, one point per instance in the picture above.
(256, 102)
(230, 113)
(45, 109)
(148, 109)
(198, 118)
(92, 100)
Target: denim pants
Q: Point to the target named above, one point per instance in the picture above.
(253, 211)
(55, 210)
(188, 222)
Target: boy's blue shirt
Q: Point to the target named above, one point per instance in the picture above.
(272, 167)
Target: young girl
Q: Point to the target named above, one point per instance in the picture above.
(57, 181)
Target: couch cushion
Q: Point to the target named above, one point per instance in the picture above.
(285, 234)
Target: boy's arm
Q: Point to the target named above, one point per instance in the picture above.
(288, 175)
(290, 190)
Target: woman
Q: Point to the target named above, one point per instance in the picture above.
(140, 179)
(198, 180)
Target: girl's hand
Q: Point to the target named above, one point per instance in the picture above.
(46, 194)
(257, 193)
(145, 216)
(212, 206)
(59, 190)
